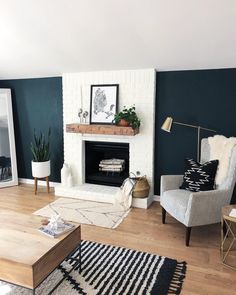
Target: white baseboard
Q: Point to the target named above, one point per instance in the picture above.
(40, 182)
(156, 198)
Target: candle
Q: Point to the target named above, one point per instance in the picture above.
(81, 97)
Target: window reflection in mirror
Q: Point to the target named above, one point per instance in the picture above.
(5, 155)
(8, 167)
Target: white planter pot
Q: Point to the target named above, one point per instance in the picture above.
(41, 169)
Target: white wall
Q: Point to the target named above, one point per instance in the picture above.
(135, 87)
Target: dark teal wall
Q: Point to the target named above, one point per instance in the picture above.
(206, 98)
(37, 104)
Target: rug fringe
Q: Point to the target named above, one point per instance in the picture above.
(178, 278)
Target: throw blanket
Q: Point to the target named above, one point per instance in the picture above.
(221, 149)
(124, 195)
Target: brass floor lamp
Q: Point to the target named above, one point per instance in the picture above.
(167, 125)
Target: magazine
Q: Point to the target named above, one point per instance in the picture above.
(232, 213)
(57, 232)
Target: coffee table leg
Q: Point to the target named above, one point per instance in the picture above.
(77, 264)
(80, 264)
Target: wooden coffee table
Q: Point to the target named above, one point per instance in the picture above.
(27, 256)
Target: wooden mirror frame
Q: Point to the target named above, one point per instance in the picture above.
(6, 94)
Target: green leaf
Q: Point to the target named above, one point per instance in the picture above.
(40, 147)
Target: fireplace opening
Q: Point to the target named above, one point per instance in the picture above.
(106, 163)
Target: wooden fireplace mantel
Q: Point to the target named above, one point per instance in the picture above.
(100, 129)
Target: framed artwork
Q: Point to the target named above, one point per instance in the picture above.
(103, 104)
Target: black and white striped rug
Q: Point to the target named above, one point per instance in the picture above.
(108, 270)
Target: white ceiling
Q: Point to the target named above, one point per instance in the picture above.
(41, 38)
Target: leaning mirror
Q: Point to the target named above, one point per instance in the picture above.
(8, 168)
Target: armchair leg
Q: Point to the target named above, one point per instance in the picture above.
(187, 238)
(163, 215)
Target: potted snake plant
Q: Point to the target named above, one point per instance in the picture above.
(40, 148)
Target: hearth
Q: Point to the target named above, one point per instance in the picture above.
(113, 153)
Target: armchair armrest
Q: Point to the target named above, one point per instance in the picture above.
(170, 182)
(205, 207)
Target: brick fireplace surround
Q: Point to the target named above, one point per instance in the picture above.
(135, 87)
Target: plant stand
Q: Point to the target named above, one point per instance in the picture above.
(36, 184)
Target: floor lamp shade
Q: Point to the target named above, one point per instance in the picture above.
(167, 124)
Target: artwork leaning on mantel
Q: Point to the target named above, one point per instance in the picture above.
(103, 103)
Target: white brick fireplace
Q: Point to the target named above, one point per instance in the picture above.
(135, 87)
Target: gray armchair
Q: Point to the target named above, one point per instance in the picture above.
(201, 208)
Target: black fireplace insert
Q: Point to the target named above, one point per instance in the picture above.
(103, 162)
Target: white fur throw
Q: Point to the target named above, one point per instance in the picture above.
(124, 194)
(221, 149)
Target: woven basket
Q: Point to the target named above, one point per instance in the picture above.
(141, 188)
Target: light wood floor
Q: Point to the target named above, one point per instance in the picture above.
(142, 230)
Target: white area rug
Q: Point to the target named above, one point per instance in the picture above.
(87, 212)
